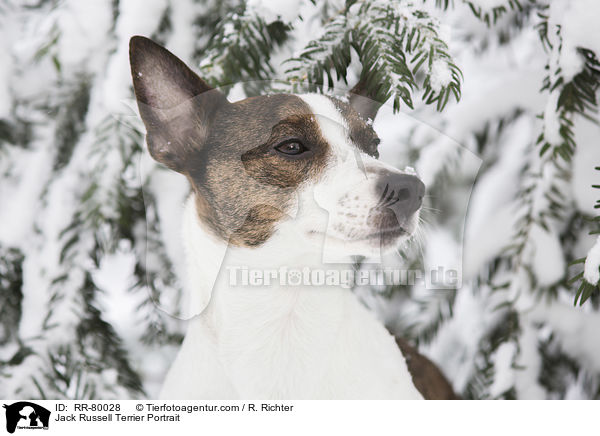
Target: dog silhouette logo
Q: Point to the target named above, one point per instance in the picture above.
(26, 415)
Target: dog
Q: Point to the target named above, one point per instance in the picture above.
(276, 181)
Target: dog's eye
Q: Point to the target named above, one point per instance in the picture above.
(291, 148)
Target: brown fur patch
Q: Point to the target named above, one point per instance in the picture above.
(427, 377)
(245, 184)
(361, 133)
(268, 166)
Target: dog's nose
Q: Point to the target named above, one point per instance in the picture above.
(401, 192)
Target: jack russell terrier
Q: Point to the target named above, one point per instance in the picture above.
(276, 181)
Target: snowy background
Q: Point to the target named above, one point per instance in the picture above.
(86, 217)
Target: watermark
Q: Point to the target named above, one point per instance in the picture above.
(347, 278)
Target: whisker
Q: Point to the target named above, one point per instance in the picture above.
(382, 198)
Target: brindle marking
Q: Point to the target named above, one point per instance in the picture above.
(362, 134)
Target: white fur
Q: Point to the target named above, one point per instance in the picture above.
(347, 191)
(285, 342)
(282, 342)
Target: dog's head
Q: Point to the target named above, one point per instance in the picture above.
(265, 163)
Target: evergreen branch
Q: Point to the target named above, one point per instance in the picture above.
(541, 203)
(86, 358)
(11, 294)
(506, 330)
(331, 52)
(574, 97)
(567, 98)
(587, 287)
(71, 121)
(491, 15)
(398, 46)
(241, 47)
(154, 278)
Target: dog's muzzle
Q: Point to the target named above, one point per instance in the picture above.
(400, 197)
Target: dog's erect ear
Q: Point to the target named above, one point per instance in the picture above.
(363, 101)
(175, 104)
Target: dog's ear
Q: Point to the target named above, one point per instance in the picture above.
(176, 105)
(363, 101)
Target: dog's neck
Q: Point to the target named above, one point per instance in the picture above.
(284, 341)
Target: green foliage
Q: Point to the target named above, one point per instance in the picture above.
(15, 132)
(399, 48)
(241, 48)
(489, 16)
(576, 97)
(11, 295)
(506, 330)
(71, 122)
(542, 196)
(544, 199)
(585, 290)
(559, 370)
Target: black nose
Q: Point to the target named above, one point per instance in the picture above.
(401, 192)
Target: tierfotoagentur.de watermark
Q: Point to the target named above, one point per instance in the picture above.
(343, 277)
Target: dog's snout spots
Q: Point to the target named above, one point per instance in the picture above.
(383, 219)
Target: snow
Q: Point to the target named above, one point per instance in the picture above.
(577, 390)
(170, 191)
(5, 68)
(490, 205)
(591, 273)
(118, 80)
(30, 173)
(182, 41)
(456, 345)
(120, 305)
(529, 365)
(272, 10)
(488, 4)
(576, 329)
(586, 158)
(548, 262)
(443, 253)
(441, 76)
(504, 373)
(578, 24)
(552, 120)
(83, 28)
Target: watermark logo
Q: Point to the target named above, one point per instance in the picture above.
(348, 278)
(26, 415)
